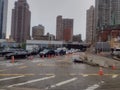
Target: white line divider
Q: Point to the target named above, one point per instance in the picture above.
(93, 87)
(62, 83)
(114, 76)
(9, 78)
(31, 81)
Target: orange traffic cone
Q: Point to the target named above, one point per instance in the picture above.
(113, 67)
(48, 56)
(31, 57)
(100, 72)
(13, 59)
(42, 56)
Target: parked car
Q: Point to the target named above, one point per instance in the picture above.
(17, 54)
(116, 52)
(60, 52)
(10, 50)
(4, 52)
(46, 53)
(78, 61)
(34, 52)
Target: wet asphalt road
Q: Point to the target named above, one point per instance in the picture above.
(58, 73)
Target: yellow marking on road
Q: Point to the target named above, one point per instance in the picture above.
(3, 70)
(50, 65)
(31, 74)
(39, 64)
(111, 74)
(91, 74)
(50, 74)
(98, 74)
(63, 60)
(72, 74)
(45, 65)
(22, 67)
(94, 74)
(114, 76)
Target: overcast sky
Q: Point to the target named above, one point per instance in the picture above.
(45, 12)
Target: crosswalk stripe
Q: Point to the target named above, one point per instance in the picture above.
(93, 87)
(3, 79)
(65, 82)
(61, 83)
(31, 81)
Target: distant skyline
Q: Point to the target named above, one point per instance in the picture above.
(45, 12)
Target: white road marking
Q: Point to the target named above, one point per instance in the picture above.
(93, 87)
(31, 81)
(84, 75)
(9, 78)
(114, 76)
(65, 82)
(62, 83)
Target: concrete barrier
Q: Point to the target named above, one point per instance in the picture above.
(99, 60)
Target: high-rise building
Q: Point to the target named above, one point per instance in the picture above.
(21, 16)
(107, 13)
(59, 28)
(68, 30)
(90, 25)
(64, 29)
(37, 31)
(77, 38)
(102, 13)
(3, 18)
(115, 12)
(102, 16)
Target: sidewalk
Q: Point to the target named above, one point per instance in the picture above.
(99, 60)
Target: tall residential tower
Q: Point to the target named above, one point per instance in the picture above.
(64, 29)
(3, 18)
(90, 25)
(21, 15)
(107, 14)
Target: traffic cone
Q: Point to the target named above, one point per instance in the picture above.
(31, 57)
(13, 59)
(53, 56)
(113, 67)
(49, 56)
(100, 72)
(42, 56)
